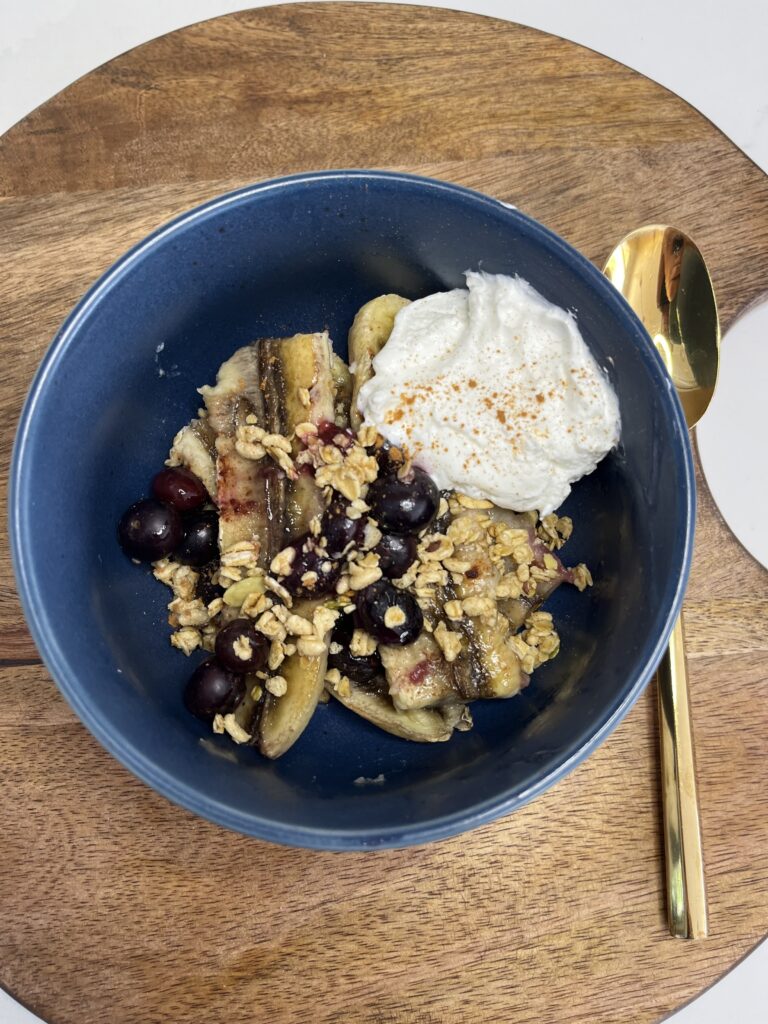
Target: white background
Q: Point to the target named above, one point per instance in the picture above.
(711, 52)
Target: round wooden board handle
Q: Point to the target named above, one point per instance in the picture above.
(118, 907)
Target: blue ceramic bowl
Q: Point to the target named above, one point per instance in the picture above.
(293, 255)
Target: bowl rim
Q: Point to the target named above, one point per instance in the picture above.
(164, 782)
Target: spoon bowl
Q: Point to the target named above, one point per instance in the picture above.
(661, 273)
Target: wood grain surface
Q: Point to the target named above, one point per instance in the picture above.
(117, 907)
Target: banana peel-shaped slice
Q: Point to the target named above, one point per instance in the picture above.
(492, 665)
(420, 725)
(305, 370)
(241, 484)
(342, 382)
(284, 719)
(368, 334)
(518, 609)
(307, 373)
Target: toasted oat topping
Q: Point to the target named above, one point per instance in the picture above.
(523, 554)
(243, 648)
(509, 586)
(367, 435)
(323, 620)
(240, 561)
(283, 561)
(435, 547)
(344, 465)
(474, 503)
(371, 535)
(187, 613)
(537, 643)
(394, 617)
(278, 590)
(361, 576)
(276, 655)
(340, 683)
(342, 584)
(449, 642)
(243, 553)
(457, 565)
(229, 724)
(362, 644)
(277, 686)
(310, 646)
(209, 633)
(187, 639)
(254, 604)
(270, 625)
(555, 530)
(581, 577)
(465, 529)
(479, 607)
(297, 625)
(253, 442)
(182, 579)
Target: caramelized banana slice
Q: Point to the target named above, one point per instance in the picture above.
(194, 447)
(518, 609)
(304, 363)
(241, 484)
(342, 382)
(306, 366)
(284, 719)
(421, 725)
(367, 336)
(418, 676)
(489, 664)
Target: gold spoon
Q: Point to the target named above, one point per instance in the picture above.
(663, 276)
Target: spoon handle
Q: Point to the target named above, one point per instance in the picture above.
(686, 896)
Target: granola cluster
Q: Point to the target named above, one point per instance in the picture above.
(343, 465)
(192, 621)
(253, 442)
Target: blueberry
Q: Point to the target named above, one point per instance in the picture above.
(390, 615)
(213, 690)
(200, 544)
(150, 530)
(310, 558)
(360, 668)
(241, 637)
(396, 552)
(179, 487)
(404, 506)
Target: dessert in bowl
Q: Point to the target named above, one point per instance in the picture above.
(299, 259)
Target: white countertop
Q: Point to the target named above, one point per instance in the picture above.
(710, 52)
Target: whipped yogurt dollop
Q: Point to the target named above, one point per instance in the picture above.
(494, 392)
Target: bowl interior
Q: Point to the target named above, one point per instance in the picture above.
(300, 255)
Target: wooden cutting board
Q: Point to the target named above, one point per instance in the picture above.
(118, 907)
